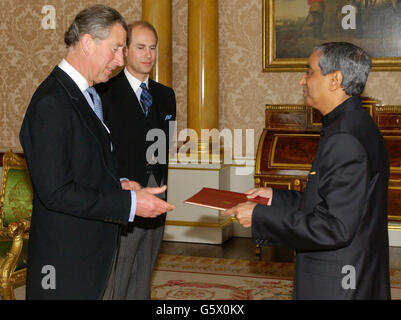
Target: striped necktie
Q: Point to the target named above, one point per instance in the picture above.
(146, 98)
(97, 103)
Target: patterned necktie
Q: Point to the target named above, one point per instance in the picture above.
(97, 103)
(146, 98)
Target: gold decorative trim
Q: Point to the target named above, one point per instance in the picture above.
(207, 169)
(237, 165)
(223, 166)
(260, 150)
(283, 177)
(266, 184)
(393, 126)
(229, 220)
(394, 227)
(369, 106)
(312, 121)
(286, 107)
(198, 224)
(19, 277)
(270, 62)
(389, 109)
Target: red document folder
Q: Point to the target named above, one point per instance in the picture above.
(221, 199)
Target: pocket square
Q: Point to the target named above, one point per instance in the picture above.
(168, 117)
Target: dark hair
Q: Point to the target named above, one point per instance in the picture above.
(353, 62)
(96, 21)
(141, 23)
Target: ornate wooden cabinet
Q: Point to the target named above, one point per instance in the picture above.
(289, 142)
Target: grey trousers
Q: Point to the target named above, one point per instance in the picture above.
(137, 255)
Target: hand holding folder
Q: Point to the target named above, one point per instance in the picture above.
(234, 203)
(221, 199)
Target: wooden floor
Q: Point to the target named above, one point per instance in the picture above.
(244, 248)
(235, 248)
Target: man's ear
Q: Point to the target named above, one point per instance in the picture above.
(336, 80)
(87, 43)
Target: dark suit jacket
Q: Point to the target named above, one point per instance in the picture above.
(78, 202)
(129, 127)
(340, 220)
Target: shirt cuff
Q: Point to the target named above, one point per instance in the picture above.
(133, 203)
(133, 206)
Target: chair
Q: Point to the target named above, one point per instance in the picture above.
(15, 212)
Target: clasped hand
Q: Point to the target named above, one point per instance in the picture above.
(243, 211)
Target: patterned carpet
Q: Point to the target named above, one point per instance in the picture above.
(200, 278)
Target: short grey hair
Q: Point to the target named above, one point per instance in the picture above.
(353, 62)
(96, 21)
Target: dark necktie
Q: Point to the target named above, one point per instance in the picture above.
(146, 98)
(97, 103)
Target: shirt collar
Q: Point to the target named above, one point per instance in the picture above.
(134, 82)
(78, 78)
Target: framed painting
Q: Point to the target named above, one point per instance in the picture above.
(292, 28)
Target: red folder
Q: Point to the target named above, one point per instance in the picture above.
(221, 199)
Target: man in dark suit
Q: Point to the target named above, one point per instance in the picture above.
(338, 225)
(79, 204)
(137, 109)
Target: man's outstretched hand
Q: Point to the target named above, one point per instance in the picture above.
(150, 206)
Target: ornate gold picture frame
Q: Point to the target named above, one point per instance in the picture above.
(292, 28)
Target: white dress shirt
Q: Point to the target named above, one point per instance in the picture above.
(135, 84)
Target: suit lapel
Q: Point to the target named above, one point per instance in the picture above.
(81, 104)
(83, 109)
(129, 98)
